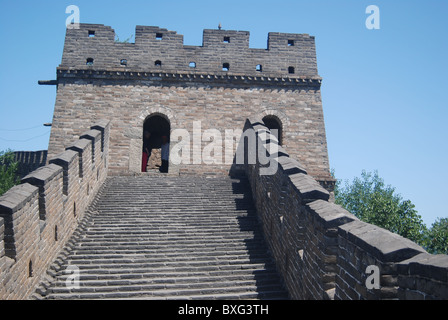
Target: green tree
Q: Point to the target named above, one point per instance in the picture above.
(436, 240)
(369, 199)
(8, 171)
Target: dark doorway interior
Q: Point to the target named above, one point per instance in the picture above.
(158, 126)
(272, 122)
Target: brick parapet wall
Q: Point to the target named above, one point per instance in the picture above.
(38, 216)
(321, 250)
(97, 42)
(30, 161)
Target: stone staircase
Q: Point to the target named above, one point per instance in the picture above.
(161, 237)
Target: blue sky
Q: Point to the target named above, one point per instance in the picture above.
(384, 91)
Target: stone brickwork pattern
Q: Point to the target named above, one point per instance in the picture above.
(323, 251)
(38, 216)
(320, 250)
(97, 42)
(30, 161)
(129, 94)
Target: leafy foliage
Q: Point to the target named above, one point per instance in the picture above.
(8, 171)
(369, 199)
(436, 240)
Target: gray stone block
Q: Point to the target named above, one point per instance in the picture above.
(290, 166)
(426, 265)
(42, 175)
(308, 188)
(65, 158)
(380, 243)
(92, 134)
(330, 214)
(100, 125)
(80, 145)
(16, 198)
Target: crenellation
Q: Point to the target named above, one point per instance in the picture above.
(323, 252)
(13, 209)
(67, 161)
(38, 216)
(320, 250)
(82, 146)
(95, 137)
(160, 50)
(30, 160)
(47, 179)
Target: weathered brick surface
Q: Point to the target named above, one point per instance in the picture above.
(362, 245)
(175, 56)
(299, 224)
(322, 251)
(20, 210)
(129, 94)
(423, 276)
(30, 161)
(39, 216)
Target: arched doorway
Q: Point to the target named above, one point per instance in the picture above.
(156, 132)
(272, 122)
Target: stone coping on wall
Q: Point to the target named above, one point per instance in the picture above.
(381, 243)
(38, 216)
(42, 175)
(16, 198)
(330, 214)
(323, 251)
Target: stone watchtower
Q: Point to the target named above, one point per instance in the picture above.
(159, 84)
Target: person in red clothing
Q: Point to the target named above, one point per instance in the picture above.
(146, 150)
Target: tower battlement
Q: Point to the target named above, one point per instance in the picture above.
(223, 52)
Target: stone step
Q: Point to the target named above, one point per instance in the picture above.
(171, 256)
(171, 271)
(194, 294)
(242, 279)
(92, 245)
(170, 238)
(173, 274)
(117, 286)
(252, 246)
(119, 264)
(105, 253)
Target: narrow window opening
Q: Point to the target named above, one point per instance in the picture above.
(74, 209)
(192, 65)
(259, 68)
(159, 36)
(226, 40)
(88, 189)
(124, 62)
(89, 61)
(56, 233)
(225, 67)
(290, 43)
(291, 70)
(30, 269)
(158, 63)
(91, 34)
